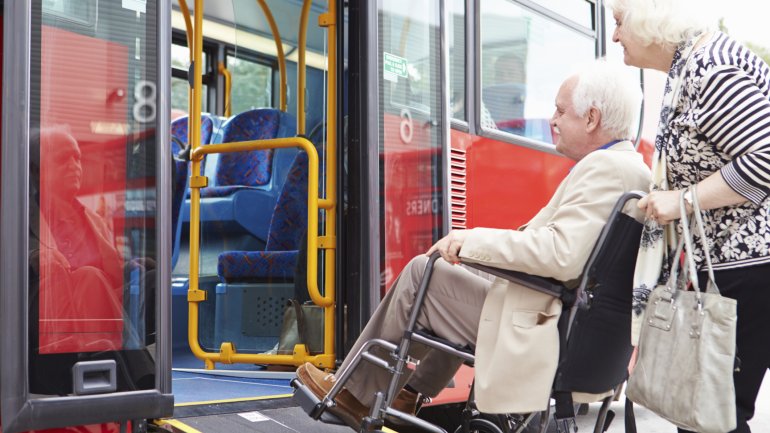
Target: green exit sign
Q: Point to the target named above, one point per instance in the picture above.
(393, 67)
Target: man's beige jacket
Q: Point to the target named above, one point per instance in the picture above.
(518, 344)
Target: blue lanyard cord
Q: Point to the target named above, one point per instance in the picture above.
(611, 143)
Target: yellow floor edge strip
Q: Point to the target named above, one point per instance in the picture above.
(233, 400)
(177, 425)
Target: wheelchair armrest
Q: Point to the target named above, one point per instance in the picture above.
(541, 284)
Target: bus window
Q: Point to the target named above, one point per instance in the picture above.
(180, 63)
(251, 83)
(456, 38)
(524, 57)
(579, 11)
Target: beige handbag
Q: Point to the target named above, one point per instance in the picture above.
(684, 371)
(302, 324)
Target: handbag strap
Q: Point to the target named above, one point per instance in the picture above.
(685, 245)
(689, 251)
(712, 285)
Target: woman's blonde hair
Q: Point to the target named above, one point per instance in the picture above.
(665, 22)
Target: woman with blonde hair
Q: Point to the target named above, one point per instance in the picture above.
(714, 132)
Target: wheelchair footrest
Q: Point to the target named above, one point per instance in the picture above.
(312, 405)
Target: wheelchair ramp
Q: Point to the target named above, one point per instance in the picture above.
(235, 399)
(256, 417)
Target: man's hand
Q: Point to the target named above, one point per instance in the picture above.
(662, 206)
(449, 246)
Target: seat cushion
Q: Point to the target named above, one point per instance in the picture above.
(257, 265)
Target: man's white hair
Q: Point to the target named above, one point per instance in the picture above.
(665, 22)
(615, 90)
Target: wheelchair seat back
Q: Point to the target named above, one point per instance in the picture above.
(595, 357)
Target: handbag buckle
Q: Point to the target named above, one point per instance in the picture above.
(663, 313)
(696, 326)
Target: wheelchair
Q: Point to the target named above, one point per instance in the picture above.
(594, 331)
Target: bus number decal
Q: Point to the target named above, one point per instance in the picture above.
(145, 110)
(407, 126)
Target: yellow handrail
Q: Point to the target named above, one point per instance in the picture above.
(279, 49)
(301, 68)
(191, 51)
(194, 123)
(228, 353)
(328, 20)
(188, 25)
(228, 87)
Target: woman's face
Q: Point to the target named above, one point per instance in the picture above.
(634, 52)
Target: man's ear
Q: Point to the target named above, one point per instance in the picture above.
(593, 119)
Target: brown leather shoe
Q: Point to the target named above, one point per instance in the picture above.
(348, 408)
(406, 401)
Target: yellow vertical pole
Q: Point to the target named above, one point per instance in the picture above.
(301, 68)
(191, 53)
(329, 20)
(194, 293)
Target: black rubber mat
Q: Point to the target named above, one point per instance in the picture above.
(231, 407)
(281, 420)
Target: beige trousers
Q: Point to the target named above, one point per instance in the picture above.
(452, 311)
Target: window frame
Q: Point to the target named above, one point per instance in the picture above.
(474, 126)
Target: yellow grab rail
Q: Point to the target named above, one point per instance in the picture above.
(228, 87)
(228, 353)
(301, 68)
(191, 51)
(188, 25)
(279, 49)
(328, 20)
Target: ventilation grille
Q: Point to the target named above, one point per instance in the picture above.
(457, 188)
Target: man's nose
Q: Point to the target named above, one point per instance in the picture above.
(615, 35)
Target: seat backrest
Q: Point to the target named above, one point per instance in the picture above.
(179, 128)
(179, 180)
(289, 220)
(252, 168)
(595, 357)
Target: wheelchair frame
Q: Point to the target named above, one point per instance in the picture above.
(574, 298)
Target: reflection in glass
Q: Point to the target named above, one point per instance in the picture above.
(92, 204)
(516, 45)
(410, 131)
(456, 37)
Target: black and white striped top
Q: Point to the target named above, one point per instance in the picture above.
(722, 122)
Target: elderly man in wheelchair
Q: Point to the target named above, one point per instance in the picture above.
(494, 298)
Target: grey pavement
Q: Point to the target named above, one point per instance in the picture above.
(648, 422)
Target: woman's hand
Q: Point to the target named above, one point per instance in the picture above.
(449, 246)
(661, 206)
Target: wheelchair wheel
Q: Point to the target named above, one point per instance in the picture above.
(479, 425)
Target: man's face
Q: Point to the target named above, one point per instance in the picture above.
(571, 134)
(63, 167)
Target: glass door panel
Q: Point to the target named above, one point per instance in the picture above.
(410, 123)
(92, 192)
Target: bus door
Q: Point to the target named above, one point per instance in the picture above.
(404, 124)
(85, 256)
(250, 226)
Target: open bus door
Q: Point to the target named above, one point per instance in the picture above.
(85, 260)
